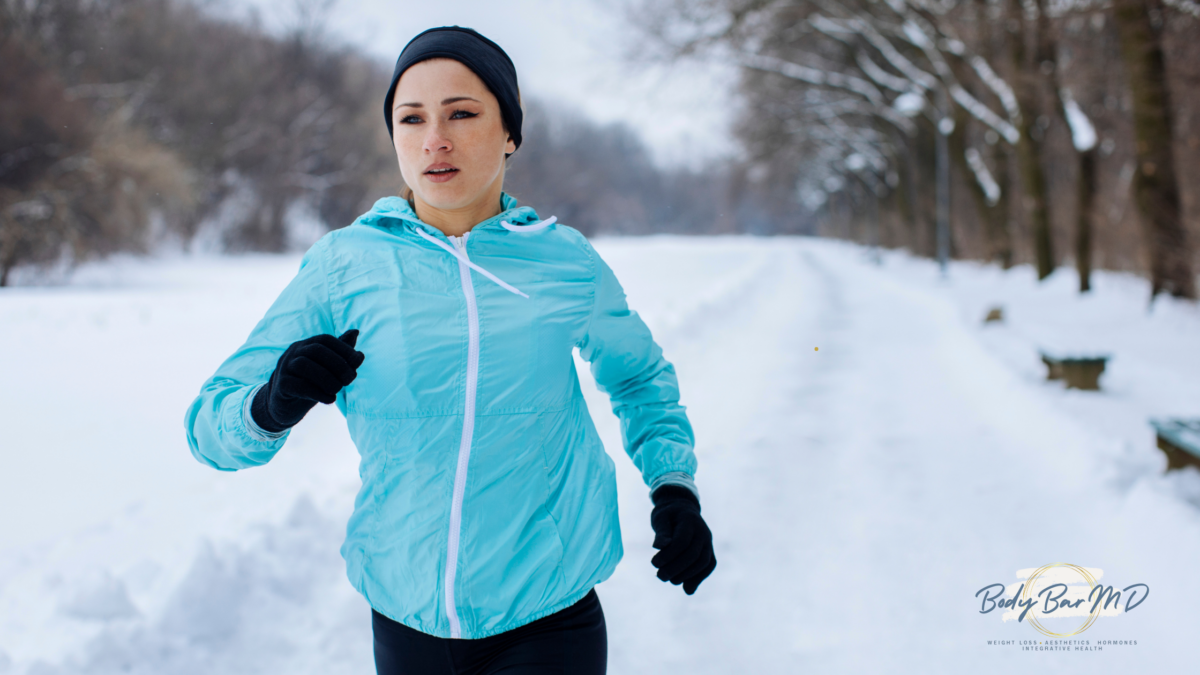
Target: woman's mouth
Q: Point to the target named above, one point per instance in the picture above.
(440, 173)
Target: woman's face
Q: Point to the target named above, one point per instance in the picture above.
(449, 135)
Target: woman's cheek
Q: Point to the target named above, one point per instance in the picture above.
(407, 158)
(487, 156)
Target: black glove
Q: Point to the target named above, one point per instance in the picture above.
(310, 370)
(687, 555)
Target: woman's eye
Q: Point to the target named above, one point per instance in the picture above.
(409, 119)
(465, 114)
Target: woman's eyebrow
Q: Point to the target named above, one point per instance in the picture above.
(447, 101)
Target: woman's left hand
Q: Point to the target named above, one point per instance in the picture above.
(686, 556)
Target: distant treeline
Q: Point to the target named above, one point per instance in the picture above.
(123, 122)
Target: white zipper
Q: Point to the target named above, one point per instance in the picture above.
(464, 448)
(461, 255)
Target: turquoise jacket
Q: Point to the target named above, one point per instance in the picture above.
(487, 498)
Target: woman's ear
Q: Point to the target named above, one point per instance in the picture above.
(510, 147)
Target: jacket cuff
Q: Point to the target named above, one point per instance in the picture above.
(679, 478)
(256, 432)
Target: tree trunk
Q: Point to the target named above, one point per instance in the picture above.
(993, 217)
(912, 180)
(9, 242)
(1085, 158)
(1155, 184)
(942, 189)
(871, 202)
(1004, 209)
(998, 216)
(1029, 148)
(1084, 224)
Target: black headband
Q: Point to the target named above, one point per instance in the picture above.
(484, 57)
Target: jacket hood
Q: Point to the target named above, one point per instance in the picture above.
(392, 212)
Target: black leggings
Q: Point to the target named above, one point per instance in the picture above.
(573, 640)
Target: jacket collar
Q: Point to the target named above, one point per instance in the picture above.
(387, 211)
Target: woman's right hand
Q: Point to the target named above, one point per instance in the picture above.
(310, 370)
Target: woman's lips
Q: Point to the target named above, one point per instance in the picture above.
(441, 172)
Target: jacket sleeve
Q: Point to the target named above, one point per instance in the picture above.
(220, 431)
(629, 366)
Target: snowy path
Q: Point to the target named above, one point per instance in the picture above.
(880, 483)
(860, 494)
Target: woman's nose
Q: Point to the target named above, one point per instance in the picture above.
(435, 138)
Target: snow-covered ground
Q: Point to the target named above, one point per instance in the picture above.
(871, 456)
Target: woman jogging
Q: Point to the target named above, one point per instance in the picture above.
(442, 324)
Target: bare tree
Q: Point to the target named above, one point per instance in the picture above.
(1156, 184)
(985, 80)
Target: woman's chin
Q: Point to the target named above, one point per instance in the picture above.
(447, 196)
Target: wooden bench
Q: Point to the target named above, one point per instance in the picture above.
(1179, 439)
(1079, 372)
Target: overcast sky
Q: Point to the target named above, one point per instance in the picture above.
(571, 51)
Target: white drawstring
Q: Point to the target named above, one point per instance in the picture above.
(529, 228)
(463, 257)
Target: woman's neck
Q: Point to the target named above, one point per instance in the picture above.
(454, 222)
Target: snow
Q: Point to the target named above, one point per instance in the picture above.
(1189, 6)
(917, 79)
(894, 58)
(997, 84)
(812, 75)
(914, 34)
(984, 114)
(991, 189)
(1083, 134)
(909, 104)
(871, 455)
(881, 77)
